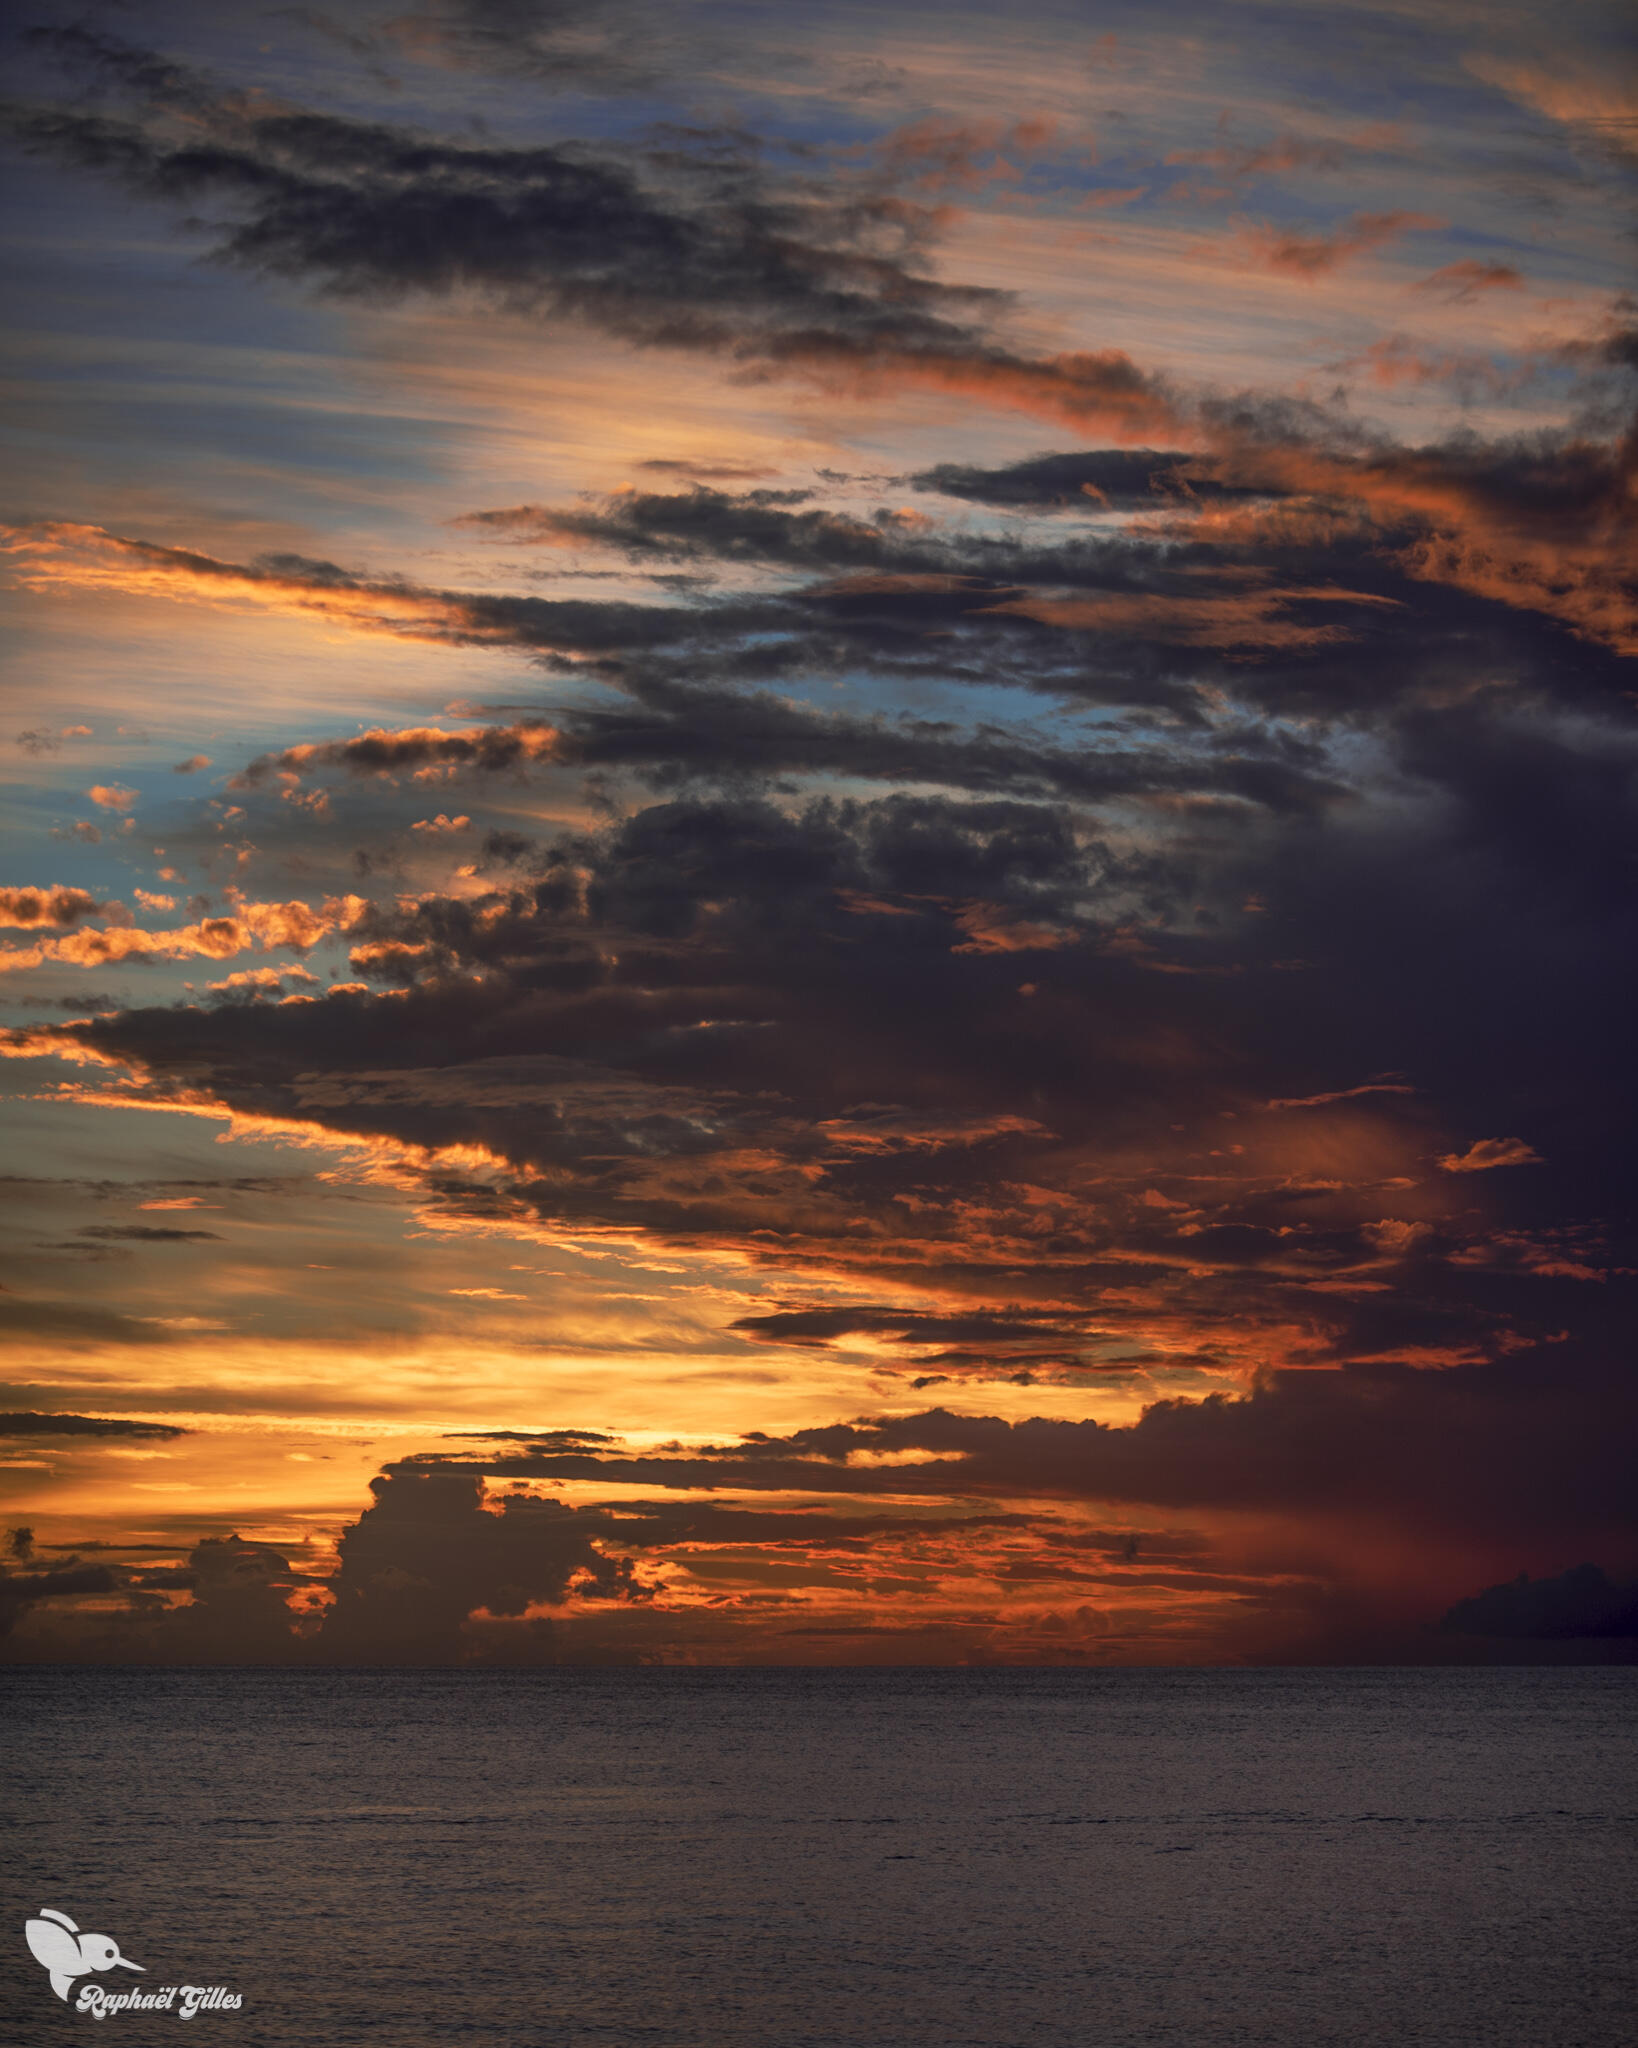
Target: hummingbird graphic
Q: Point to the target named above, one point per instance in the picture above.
(57, 1943)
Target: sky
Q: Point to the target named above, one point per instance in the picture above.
(822, 821)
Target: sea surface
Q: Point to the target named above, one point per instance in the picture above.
(819, 1859)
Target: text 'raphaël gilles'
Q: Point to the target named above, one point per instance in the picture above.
(185, 2000)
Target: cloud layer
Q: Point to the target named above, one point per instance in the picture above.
(853, 807)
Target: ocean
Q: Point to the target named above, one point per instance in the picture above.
(830, 1858)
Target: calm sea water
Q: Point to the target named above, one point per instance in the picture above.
(775, 1859)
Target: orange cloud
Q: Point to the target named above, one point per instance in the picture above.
(1096, 391)
(252, 926)
(23, 909)
(940, 154)
(1485, 1153)
(1312, 256)
(1604, 99)
(1554, 534)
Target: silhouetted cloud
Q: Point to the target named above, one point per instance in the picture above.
(429, 1553)
(20, 1591)
(1121, 479)
(148, 1233)
(1580, 1602)
(30, 1424)
(1432, 1452)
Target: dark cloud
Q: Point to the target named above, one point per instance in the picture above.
(364, 208)
(690, 735)
(1433, 1452)
(240, 1608)
(549, 1439)
(78, 1324)
(28, 1424)
(148, 1233)
(687, 243)
(977, 1343)
(1121, 479)
(428, 1554)
(435, 1572)
(888, 1037)
(1179, 1021)
(20, 1591)
(1581, 1602)
(692, 241)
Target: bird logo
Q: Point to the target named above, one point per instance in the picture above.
(59, 1945)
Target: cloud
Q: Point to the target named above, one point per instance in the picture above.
(20, 1591)
(938, 155)
(380, 752)
(1581, 1602)
(1485, 1153)
(979, 1343)
(706, 252)
(249, 982)
(673, 246)
(147, 1233)
(654, 1033)
(1310, 256)
(1468, 278)
(1240, 161)
(429, 1553)
(559, 45)
(1343, 1095)
(1047, 922)
(28, 1424)
(43, 740)
(1432, 1452)
(1596, 98)
(259, 926)
(1123, 479)
(26, 909)
(720, 735)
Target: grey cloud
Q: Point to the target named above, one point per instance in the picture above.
(706, 255)
(1121, 479)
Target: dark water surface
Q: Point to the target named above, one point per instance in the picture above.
(807, 1859)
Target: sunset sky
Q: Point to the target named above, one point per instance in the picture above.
(822, 821)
